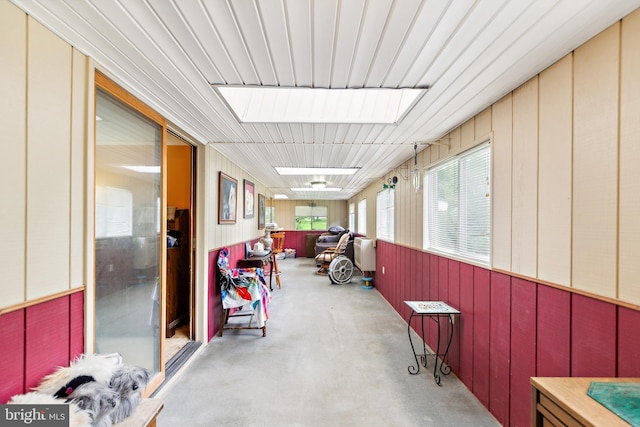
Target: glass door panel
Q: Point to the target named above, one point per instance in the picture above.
(128, 228)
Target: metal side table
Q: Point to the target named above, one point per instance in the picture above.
(434, 310)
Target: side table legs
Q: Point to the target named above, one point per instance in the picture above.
(444, 369)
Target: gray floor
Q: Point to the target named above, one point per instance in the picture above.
(334, 355)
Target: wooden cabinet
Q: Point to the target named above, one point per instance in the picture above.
(178, 274)
(560, 401)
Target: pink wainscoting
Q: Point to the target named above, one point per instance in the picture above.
(523, 348)
(481, 331)
(297, 239)
(46, 346)
(500, 345)
(628, 343)
(214, 303)
(465, 320)
(553, 332)
(41, 337)
(76, 325)
(454, 300)
(511, 329)
(593, 337)
(12, 360)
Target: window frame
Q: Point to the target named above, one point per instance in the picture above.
(385, 215)
(362, 217)
(322, 211)
(466, 218)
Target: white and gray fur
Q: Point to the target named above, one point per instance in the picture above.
(77, 416)
(129, 382)
(98, 400)
(99, 366)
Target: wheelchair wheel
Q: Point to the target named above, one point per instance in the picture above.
(341, 270)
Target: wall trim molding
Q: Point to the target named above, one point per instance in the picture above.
(40, 300)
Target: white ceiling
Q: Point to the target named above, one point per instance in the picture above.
(469, 53)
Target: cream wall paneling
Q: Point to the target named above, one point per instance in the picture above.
(48, 160)
(89, 192)
(524, 207)
(482, 124)
(501, 120)
(554, 181)
(467, 134)
(13, 51)
(629, 267)
(79, 140)
(595, 171)
(455, 140)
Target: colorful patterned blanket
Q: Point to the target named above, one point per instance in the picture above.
(243, 286)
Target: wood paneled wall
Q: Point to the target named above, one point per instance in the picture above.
(564, 171)
(40, 337)
(510, 329)
(45, 129)
(285, 217)
(243, 230)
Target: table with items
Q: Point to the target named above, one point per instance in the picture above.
(259, 260)
(435, 310)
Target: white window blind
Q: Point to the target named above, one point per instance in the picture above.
(362, 217)
(352, 216)
(385, 204)
(457, 210)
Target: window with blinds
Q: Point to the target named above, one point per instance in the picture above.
(362, 217)
(457, 206)
(352, 217)
(385, 204)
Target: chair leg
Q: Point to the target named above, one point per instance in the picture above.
(223, 320)
(277, 272)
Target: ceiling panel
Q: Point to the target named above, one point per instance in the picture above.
(469, 53)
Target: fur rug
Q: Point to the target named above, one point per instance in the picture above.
(99, 386)
(77, 416)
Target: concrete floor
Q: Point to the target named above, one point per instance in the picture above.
(334, 355)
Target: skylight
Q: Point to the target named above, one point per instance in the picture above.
(258, 104)
(316, 171)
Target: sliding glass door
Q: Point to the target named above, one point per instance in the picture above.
(128, 226)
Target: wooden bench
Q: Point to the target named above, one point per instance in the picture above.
(144, 415)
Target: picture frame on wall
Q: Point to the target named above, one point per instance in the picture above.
(249, 198)
(227, 199)
(261, 211)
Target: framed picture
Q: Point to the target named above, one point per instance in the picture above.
(227, 199)
(248, 198)
(261, 211)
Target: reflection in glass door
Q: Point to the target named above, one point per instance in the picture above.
(128, 229)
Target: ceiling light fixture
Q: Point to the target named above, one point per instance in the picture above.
(315, 171)
(318, 185)
(280, 196)
(277, 104)
(143, 169)
(315, 189)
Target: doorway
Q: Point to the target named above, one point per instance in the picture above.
(179, 325)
